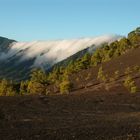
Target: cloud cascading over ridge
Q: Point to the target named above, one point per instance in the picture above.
(52, 52)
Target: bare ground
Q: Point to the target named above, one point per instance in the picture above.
(88, 116)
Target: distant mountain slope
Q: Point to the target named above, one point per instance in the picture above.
(5, 44)
(18, 58)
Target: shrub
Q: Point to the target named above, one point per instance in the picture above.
(38, 75)
(101, 76)
(10, 91)
(47, 92)
(23, 87)
(136, 68)
(96, 58)
(129, 83)
(36, 88)
(7, 88)
(65, 86)
(133, 89)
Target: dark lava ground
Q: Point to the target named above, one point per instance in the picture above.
(88, 116)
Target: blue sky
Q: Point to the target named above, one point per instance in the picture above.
(28, 20)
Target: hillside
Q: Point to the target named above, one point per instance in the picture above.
(18, 58)
(88, 112)
(5, 44)
(86, 80)
(95, 96)
(104, 66)
(115, 71)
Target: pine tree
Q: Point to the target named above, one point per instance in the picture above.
(23, 87)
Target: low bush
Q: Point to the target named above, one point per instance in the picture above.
(129, 83)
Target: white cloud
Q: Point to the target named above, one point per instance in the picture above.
(53, 51)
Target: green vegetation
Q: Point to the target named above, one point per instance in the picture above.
(36, 88)
(136, 68)
(23, 87)
(60, 75)
(65, 84)
(101, 76)
(7, 88)
(129, 83)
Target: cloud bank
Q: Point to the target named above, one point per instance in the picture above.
(52, 52)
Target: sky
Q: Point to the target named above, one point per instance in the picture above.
(29, 20)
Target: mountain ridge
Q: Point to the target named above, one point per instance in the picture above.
(23, 56)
